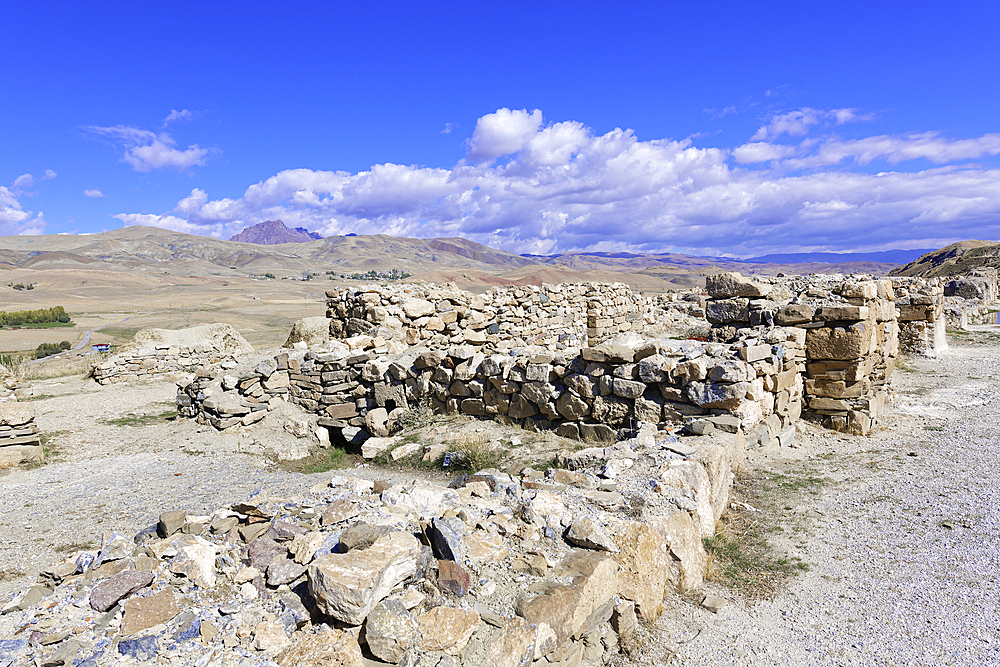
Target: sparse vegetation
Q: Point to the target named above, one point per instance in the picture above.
(743, 556)
(324, 460)
(132, 419)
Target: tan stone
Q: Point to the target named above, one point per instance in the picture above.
(270, 637)
(347, 586)
(571, 609)
(841, 343)
(515, 646)
(447, 629)
(335, 648)
(139, 613)
(684, 542)
(643, 567)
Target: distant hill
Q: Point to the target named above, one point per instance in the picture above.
(953, 260)
(274, 232)
(887, 256)
(151, 250)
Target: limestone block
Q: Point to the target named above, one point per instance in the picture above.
(726, 285)
(643, 565)
(684, 542)
(333, 648)
(841, 343)
(348, 586)
(572, 609)
(447, 629)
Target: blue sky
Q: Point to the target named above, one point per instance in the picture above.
(735, 128)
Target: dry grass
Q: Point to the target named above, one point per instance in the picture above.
(741, 553)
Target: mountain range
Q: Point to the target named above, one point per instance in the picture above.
(154, 251)
(274, 232)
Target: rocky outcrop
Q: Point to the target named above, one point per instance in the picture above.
(273, 232)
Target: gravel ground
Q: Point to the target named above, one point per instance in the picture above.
(903, 542)
(119, 477)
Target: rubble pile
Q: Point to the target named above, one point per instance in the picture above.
(583, 394)
(157, 351)
(19, 439)
(851, 336)
(547, 567)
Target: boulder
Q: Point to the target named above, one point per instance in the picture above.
(447, 629)
(391, 631)
(348, 586)
(334, 648)
(575, 608)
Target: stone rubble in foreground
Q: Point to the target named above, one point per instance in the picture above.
(550, 567)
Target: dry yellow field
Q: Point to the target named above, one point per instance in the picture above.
(122, 303)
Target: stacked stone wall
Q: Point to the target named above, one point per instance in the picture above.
(154, 352)
(19, 439)
(147, 362)
(851, 336)
(555, 317)
(590, 393)
(920, 313)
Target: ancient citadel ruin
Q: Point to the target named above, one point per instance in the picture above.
(543, 567)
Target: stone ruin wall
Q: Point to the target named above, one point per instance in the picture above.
(19, 438)
(147, 362)
(752, 386)
(154, 352)
(967, 299)
(851, 337)
(555, 317)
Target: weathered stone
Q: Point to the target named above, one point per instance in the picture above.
(610, 410)
(453, 578)
(589, 534)
(427, 500)
(196, 562)
(575, 608)
(139, 613)
(334, 648)
(262, 551)
(372, 447)
(627, 388)
(623, 618)
(284, 571)
(361, 536)
(643, 567)
(794, 314)
(727, 311)
(347, 586)
(726, 285)
(841, 343)
(170, 523)
(376, 421)
(415, 308)
(572, 407)
(515, 646)
(445, 535)
(391, 631)
(107, 592)
(447, 629)
(717, 395)
(270, 638)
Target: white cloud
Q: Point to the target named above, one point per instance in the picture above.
(148, 151)
(448, 127)
(168, 222)
(25, 182)
(504, 132)
(175, 116)
(761, 151)
(14, 220)
(798, 122)
(929, 146)
(564, 188)
(93, 193)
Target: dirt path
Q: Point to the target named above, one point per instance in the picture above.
(903, 540)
